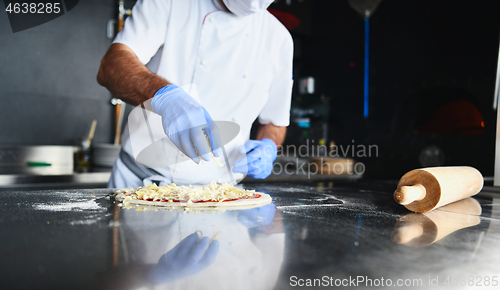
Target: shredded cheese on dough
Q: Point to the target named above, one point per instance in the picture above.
(213, 192)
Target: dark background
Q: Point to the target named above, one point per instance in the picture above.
(421, 52)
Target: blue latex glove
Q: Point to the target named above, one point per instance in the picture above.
(189, 257)
(257, 217)
(186, 122)
(259, 160)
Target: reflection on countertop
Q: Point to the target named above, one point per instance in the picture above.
(423, 229)
(184, 250)
(321, 233)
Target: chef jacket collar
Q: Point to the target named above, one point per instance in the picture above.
(246, 7)
(220, 5)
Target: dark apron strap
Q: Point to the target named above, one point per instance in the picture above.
(141, 172)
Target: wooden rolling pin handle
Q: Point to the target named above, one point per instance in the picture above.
(408, 194)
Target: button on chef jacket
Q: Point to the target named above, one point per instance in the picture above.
(241, 66)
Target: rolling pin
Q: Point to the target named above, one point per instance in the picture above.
(425, 189)
(420, 230)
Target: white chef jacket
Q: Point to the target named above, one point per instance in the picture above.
(240, 66)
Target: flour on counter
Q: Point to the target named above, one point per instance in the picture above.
(307, 205)
(314, 202)
(70, 206)
(83, 222)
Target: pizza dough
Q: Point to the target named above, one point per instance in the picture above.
(214, 195)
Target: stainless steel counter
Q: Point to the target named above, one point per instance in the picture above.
(352, 234)
(44, 167)
(71, 180)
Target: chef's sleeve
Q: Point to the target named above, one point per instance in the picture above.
(277, 107)
(144, 31)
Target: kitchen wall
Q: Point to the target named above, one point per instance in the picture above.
(48, 88)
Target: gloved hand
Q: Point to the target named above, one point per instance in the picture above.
(257, 217)
(186, 122)
(190, 256)
(259, 160)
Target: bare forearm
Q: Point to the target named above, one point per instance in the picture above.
(275, 133)
(126, 77)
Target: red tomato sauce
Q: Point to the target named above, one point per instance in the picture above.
(200, 201)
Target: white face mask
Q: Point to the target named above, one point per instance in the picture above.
(246, 7)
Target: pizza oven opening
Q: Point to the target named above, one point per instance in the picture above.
(455, 117)
(442, 126)
(443, 111)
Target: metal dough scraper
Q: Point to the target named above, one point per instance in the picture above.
(228, 166)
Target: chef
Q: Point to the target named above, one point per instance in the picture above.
(236, 55)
